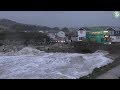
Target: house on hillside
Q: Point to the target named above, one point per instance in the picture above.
(60, 36)
(114, 34)
(57, 36)
(113, 31)
(81, 34)
(99, 34)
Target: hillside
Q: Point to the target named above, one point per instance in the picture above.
(7, 22)
(9, 25)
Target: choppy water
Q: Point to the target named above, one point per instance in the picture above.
(30, 63)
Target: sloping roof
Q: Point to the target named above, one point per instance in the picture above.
(83, 28)
(99, 28)
(115, 28)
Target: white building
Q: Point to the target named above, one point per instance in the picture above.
(114, 33)
(81, 34)
(115, 38)
(61, 34)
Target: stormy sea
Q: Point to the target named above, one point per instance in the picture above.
(30, 63)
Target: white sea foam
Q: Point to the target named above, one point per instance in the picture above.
(30, 63)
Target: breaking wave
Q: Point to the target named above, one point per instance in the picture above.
(30, 63)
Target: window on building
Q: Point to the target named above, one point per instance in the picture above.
(81, 38)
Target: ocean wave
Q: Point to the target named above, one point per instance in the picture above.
(30, 63)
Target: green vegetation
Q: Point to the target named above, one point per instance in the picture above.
(9, 25)
(65, 29)
(86, 47)
(26, 38)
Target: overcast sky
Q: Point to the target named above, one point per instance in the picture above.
(63, 18)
